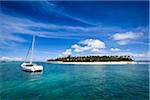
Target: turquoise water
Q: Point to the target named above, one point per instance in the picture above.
(75, 82)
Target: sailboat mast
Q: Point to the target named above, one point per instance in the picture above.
(33, 42)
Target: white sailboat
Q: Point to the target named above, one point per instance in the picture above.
(30, 66)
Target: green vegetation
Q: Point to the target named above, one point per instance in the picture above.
(92, 59)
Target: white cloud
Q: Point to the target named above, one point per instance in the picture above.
(93, 45)
(115, 49)
(67, 52)
(123, 42)
(90, 45)
(78, 48)
(9, 40)
(125, 38)
(4, 58)
(27, 26)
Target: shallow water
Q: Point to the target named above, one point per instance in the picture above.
(75, 82)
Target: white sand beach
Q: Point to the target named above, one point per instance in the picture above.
(96, 63)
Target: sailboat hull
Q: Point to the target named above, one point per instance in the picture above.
(31, 67)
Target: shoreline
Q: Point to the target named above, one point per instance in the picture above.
(97, 63)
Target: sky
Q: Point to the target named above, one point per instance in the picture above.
(77, 28)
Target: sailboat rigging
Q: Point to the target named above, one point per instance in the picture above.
(30, 66)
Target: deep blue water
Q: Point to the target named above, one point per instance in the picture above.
(75, 82)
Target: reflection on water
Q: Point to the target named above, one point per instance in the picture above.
(33, 75)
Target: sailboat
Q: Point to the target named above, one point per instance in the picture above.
(30, 66)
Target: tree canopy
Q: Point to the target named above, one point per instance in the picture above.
(92, 58)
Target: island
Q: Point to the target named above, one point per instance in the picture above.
(93, 60)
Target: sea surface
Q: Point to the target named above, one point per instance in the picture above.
(75, 82)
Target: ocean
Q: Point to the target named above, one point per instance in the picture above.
(75, 82)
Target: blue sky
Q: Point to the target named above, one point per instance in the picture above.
(74, 27)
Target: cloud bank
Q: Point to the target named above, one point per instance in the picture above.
(67, 52)
(4, 58)
(92, 45)
(96, 47)
(127, 37)
(115, 49)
